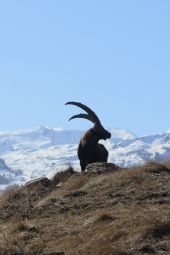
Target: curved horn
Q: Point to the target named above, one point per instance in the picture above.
(90, 116)
(83, 116)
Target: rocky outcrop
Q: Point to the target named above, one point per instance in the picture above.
(101, 168)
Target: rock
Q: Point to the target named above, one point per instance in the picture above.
(62, 176)
(60, 184)
(102, 167)
(43, 181)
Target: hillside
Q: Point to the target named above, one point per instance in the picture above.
(104, 211)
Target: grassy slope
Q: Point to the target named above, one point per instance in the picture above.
(119, 213)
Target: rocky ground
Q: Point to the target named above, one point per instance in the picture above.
(103, 211)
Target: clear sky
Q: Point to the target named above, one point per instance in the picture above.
(112, 55)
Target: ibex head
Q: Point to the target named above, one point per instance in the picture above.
(100, 132)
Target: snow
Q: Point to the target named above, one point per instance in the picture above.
(29, 154)
(122, 134)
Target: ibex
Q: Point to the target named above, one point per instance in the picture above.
(89, 150)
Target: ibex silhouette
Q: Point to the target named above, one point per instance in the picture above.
(89, 150)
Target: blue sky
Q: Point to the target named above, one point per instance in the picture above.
(112, 55)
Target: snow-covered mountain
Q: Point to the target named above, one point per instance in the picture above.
(29, 154)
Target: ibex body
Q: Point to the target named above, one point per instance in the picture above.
(89, 150)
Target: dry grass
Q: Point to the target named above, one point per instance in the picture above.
(126, 212)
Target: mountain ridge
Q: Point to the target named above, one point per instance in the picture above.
(41, 151)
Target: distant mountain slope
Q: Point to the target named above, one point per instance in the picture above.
(138, 150)
(39, 138)
(7, 175)
(42, 151)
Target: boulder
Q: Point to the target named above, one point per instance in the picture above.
(40, 182)
(102, 167)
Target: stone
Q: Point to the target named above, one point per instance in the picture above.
(102, 167)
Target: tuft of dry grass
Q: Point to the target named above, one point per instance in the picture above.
(9, 192)
(155, 167)
(102, 215)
